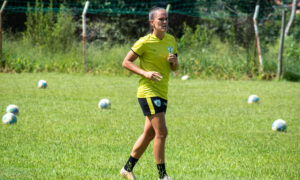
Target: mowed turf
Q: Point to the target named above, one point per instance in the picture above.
(213, 132)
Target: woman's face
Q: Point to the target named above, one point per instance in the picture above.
(160, 21)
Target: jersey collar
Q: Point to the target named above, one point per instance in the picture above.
(152, 35)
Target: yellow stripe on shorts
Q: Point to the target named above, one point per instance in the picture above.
(152, 110)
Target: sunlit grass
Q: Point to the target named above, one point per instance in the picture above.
(213, 132)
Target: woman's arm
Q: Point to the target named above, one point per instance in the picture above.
(128, 64)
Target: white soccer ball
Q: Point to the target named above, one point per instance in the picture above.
(9, 118)
(185, 77)
(42, 84)
(12, 109)
(253, 99)
(279, 125)
(104, 104)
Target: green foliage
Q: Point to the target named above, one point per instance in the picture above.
(22, 56)
(295, 28)
(63, 34)
(203, 54)
(269, 32)
(269, 29)
(198, 38)
(292, 59)
(39, 24)
(292, 50)
(222, 48)
(49, 31)
(212, 59)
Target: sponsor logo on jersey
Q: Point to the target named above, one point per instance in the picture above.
(170, 49)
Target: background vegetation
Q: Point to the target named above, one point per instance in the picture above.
(218, 43)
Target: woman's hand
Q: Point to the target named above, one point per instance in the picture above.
(155, 76)
(173, 61)
(172, 58)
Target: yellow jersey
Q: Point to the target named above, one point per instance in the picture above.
(153, 54)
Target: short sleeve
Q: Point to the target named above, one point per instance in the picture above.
(138, 47)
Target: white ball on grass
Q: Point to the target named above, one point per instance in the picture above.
(253, 99)
(9, 118)
(279, 125)
(104, 104)
(42, 84)
(185, 77)
(12, 109)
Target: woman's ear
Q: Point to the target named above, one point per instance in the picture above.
(151, 22)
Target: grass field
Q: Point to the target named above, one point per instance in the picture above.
(213, 132)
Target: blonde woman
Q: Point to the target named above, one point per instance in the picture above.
(157, 53)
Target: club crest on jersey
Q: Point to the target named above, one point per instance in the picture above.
(157, 102)
(170, 49)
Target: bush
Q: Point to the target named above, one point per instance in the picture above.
(202, 53)
(222, 48)
(198, 38)
(291, 59)
(49, 31)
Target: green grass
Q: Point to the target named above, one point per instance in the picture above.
(213, 132)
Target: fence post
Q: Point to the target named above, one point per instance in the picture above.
(293, 13)
(168, 8)
(261, 67)
(281, 45)
(84, 32)
(1, 10)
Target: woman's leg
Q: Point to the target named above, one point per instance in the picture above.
(142, 143)
(138, 149)
(158, 123)
(155, 127)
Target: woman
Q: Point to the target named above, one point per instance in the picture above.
(158, 55)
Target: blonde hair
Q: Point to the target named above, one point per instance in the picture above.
(153, 11)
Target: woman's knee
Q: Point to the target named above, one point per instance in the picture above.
(162, 133)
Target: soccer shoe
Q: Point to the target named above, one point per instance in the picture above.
(127, 175)
(165, 178)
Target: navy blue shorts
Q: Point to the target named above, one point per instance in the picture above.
(153, 105)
